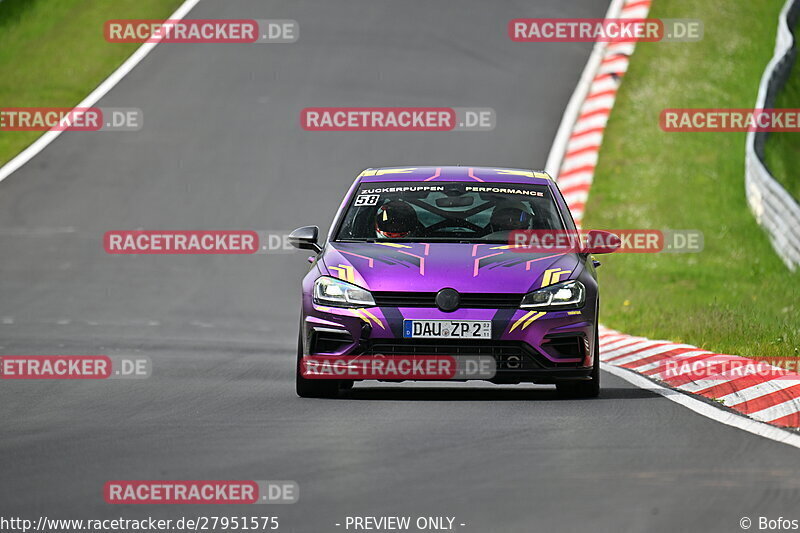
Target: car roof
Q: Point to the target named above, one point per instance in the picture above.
(455, 173)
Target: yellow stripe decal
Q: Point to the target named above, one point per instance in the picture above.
(507, 247)
(351, 277)
(534, 317)
(373, 317)
(507, 172)
(552, 276)
(360, 314)
(339, 272)
(395, 171)
(518, 322)
(528, 318)
(557, 275)
(393, 244)
(345, 272)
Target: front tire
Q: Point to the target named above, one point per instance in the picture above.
(584, 389)
(312, 388)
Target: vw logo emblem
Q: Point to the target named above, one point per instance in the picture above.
(447, 300)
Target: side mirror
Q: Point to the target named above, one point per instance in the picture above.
(305, 238)
(601, 242)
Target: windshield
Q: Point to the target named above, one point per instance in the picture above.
(447, 212)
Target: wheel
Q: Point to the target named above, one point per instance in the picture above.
(584, 389)
(312, 388)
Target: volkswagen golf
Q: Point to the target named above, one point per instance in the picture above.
(421, 262)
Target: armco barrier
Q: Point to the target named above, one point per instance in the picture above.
(774, 208)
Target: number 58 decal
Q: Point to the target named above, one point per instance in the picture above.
(367, 199)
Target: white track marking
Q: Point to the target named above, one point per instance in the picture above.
(566, 127)
(101, 90)
(709, 411)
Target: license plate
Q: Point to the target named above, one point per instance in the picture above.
(447, 329)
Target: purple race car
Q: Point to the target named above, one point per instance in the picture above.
(420, 261)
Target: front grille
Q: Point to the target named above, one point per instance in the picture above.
(509, 355)
(428, 299)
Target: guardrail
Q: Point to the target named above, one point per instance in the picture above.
(774, 208)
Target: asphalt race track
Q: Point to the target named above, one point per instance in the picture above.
(221, 148)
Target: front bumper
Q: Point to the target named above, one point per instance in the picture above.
(528, 346)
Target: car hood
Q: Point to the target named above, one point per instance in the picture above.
(419, 267)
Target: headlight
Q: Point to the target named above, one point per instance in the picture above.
(337, 293)
(565, 295)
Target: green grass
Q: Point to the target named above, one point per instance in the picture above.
(736, 296)
(782, 150)
(53, 54)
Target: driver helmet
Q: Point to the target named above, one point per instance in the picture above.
(395, 220)
(510, 217)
